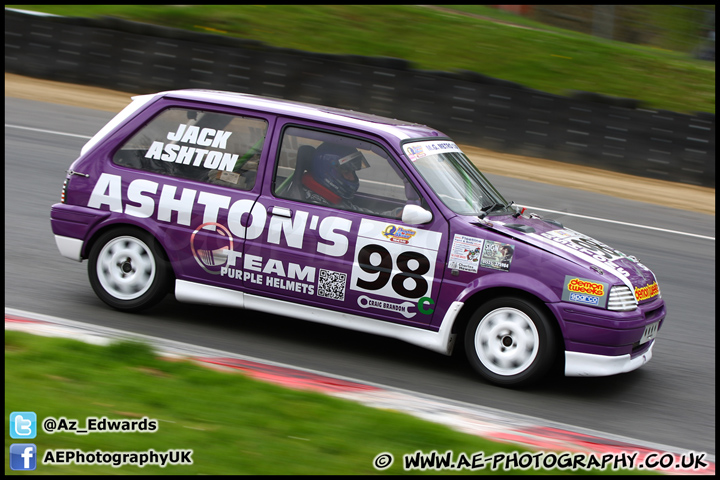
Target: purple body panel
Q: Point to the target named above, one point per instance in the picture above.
(256, 241)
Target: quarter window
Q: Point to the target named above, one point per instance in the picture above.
(209, 147)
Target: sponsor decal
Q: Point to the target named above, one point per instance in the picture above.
(465, 253)
(423, 309)
(648, 291)
(591, 288)
(418, 150)
(398, 234)
(586, 299)
(584, 291)
(401, 308)
(497, 255)
(592, 251)
(210, 248)
(469, 253)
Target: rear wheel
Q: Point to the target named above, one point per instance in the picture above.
(510, 342)
(127, 269)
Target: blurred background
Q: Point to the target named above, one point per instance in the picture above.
(630, 88)
(624, 88)
(684, 28)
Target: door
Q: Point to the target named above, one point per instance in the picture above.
(334, 237)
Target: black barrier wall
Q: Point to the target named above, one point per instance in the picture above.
(586, 129)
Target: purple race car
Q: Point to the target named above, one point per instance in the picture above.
(346, 219)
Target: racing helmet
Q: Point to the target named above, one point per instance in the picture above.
(334, 168)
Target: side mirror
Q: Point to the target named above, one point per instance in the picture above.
(416, 215)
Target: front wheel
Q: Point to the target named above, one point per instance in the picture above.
(510, 342)
(127, 270)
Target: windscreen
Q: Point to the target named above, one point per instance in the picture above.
(453, 177)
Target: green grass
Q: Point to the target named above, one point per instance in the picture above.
(233, 424)
(540, 57)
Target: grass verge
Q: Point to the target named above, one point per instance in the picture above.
(476, 39)
(233, 424)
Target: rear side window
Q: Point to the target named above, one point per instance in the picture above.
(199, 145)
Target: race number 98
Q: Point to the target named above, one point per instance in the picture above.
(392, 269)
(406, 270)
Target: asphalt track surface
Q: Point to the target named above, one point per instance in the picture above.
(669, 401)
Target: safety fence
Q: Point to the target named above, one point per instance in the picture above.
(587, 129)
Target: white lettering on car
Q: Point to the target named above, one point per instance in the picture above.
(293, 228)
(107, 192)
(177, 207)
(207, 137)
(135, 194)
(276, 275)
(193, 134)
(183, 206)
(213, 203)
(338, 245)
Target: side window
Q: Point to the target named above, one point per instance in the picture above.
(199, 145)
(341, 172)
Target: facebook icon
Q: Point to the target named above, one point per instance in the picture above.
(23, 456)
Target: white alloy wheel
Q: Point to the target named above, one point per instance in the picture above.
(126, 268)
(129, 269)
(507, 341)
(511, 341)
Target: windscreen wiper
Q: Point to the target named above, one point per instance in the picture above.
(492, 207)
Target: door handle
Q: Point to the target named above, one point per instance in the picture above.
(281, 211)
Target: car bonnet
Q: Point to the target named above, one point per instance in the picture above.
(578, 248)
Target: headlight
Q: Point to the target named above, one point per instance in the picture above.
(621, 299)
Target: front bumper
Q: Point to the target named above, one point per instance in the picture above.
(579, 364)
(603, 333)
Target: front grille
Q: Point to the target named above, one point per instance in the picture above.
(621, 299)
(653, 315)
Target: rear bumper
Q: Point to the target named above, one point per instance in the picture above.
(72, 225)
(579, 364)
(70, 247)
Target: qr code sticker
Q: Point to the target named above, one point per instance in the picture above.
(332, 285)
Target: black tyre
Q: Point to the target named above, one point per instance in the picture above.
(128, 270)
(510, 342)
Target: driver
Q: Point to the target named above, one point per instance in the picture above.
(331, 179)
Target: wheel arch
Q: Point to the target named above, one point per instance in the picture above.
(87, 247)
(480, 297)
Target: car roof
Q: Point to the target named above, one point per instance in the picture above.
(387, 127)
